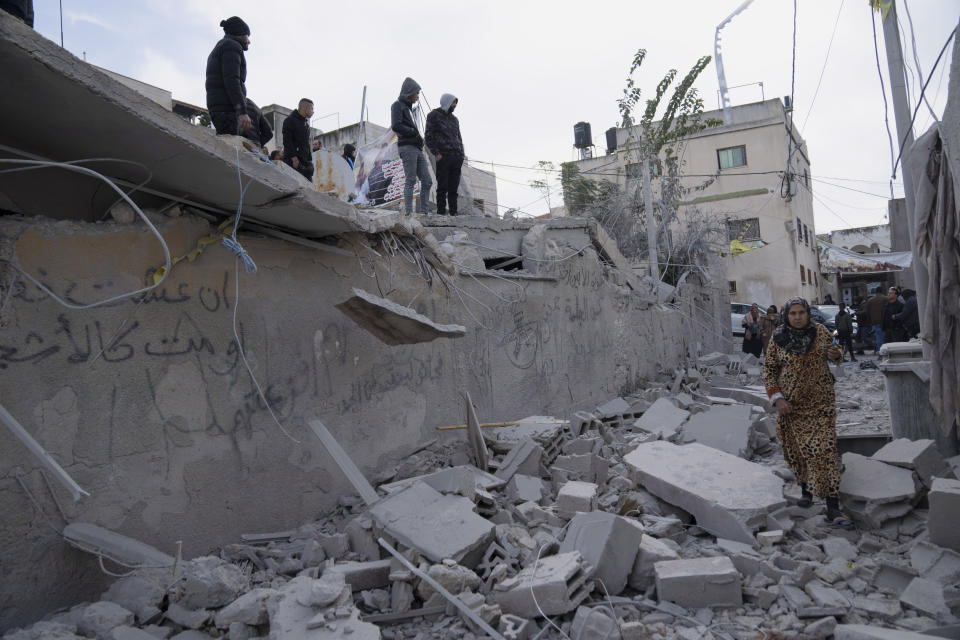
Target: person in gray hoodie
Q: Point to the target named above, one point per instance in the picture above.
(444, 141)
(410, 146)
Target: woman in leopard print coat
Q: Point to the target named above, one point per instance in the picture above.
(800, 386)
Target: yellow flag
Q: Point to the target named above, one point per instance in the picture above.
(883, 6)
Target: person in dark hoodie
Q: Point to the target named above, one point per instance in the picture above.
(410, 146)
(892, 327)
(226, 78)
(909, 317)
(444, 141)
(260, 130)
(22, 9)
(297, 148)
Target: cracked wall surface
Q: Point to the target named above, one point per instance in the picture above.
(147, 404)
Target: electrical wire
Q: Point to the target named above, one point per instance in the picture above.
(826, 59)
(923, 90)
(74, 166)
(883, 90)
(793, 82)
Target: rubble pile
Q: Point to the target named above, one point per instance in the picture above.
(669, 513)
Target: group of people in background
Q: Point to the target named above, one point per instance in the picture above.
(232, 112)
(892, 317)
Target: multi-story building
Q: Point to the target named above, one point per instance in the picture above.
(736, 176)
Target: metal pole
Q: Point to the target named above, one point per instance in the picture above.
(902, 111)
(61, 24)
(654, 260)
(363, 107)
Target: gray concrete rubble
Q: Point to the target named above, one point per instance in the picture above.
(729, 496)
(616, 535)
(727, 428)
(393, 323)
(663, 419)
(875, 492)
(922, 456)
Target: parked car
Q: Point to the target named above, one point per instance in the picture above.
(737, 311)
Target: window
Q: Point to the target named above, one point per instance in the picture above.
(806, 235)
(732, 157)
(799, 231)
(743, 230)
(478, 203)
(809, 279)
(806, 179)
(635, 171)
(732, 286)
(816, 279)
(803, 275)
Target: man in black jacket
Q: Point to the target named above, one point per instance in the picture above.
(444, 141)
(909, 317)
(297, 150)
(260, 130)
(410, 146)
(226, 78)
(892, 327)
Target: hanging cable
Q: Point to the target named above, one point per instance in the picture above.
(826, 59)
(788, 176)
(883, 90)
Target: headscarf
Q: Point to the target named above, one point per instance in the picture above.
(791, 339)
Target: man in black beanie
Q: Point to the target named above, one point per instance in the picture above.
(226, 78)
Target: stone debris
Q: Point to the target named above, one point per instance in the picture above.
(602, 527)
(730, 497)
(875, 492)
(944, 519)
(392, 323)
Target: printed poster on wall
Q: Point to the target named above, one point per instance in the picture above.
(379, 172)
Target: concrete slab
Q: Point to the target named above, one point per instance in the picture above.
(867, 632)
(874, 492)
(650, 552)
(756, 396)
(524, 457)
(943, 520)
(447, 480)
(97, 540)
(346, 464)
(935, 563)
(925, 596)
(724, 428)
(921, 456)
(663, 419)
(524, 488)
(438, 526)
(551, 586)
(393, 323)
(293, 614)
(729, 496)
(698, 582)
(609, 543)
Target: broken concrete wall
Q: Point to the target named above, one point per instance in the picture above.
(147, 404)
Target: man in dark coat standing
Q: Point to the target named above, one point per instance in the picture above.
(410, 146)
(875, 317)
(444, 141)
(297, 150)
(892, 328)
(909, 317)
(226, 78)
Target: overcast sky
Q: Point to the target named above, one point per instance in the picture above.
(525, 71)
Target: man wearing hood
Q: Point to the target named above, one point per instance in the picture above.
(226, 78)
(909, 317)
(443, 140)
(410, 146)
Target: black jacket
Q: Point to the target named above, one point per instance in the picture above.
(296, 139)
(226, 77)
(890, 310)
(22, 9)
(910, 315)
(401, 117)
(443, 133)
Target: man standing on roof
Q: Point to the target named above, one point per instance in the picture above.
(226, 78)
(446, 145)
(297, 149)
(260, 130)
(410, 146)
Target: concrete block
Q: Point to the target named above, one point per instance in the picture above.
(698, 582)
(613, 408)
(558, 584)
(921, 456)
(893, 578)
(582, 445)
(187, 618)
(877, 608)
(99, 618)
(925, 596)
(250, 608)
(451, 576)
(725, 428)
(935, 563)
(524, 488)
(438, 526)
(392, 323)
(293, 615)
(839, 548)
(769, 538)
(609, 543)
(361, 576)
(117, 633)
(531, 513)
(663, 419)
(576, 496)
(729, 496)
(513, 627)
(874, 492)
(821, 628)
(650, 552)
(943, 520)
(525, 457)
(826, 596)
(587, 467)
(140, 593)
(209, 582)
(747, 395)
(593, 623)
(867, 632)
